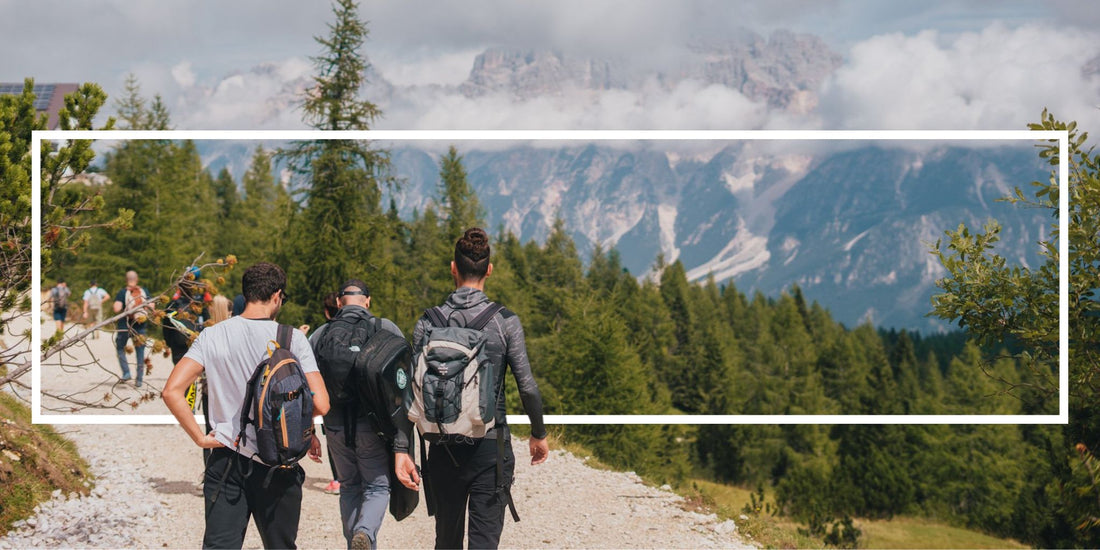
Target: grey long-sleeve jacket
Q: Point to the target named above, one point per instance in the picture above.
(505, 343)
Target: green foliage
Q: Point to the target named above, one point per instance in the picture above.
(342, 216)
(603, 342)
(458, 200)
(66, 207)
(998, 302)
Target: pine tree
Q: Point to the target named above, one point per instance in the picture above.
(342, 217)
(130, 109)
(460, 207)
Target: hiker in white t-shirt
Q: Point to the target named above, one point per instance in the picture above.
(93, 306)
(237, 486)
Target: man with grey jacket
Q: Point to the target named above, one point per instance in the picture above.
(464, 470)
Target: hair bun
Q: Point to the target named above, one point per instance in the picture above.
(474, 244)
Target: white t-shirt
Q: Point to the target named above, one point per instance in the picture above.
(229, 352)
(93, 297)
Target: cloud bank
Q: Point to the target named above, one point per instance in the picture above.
(993, 79)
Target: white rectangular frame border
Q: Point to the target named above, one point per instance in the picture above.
(583, 135)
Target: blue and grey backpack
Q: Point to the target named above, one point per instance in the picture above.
(279, 405)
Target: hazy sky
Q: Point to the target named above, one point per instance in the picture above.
(928, 64)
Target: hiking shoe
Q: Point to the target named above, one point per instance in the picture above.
(361, 542)
(333, 488)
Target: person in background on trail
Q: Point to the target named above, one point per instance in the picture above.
(219, 309)
(183, 321)
(190, 308)
(132, 325)
(59, 296)
(331, 306)
(361, 464)
(465, 470)
(93, 306)
(228, 353)
(238, 305)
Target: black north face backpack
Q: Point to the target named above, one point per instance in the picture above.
(367, 369)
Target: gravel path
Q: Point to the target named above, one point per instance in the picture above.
(148, 494)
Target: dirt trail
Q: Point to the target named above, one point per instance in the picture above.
(149, 493)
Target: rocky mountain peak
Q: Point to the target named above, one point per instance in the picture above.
(785, 69)
(529, 73)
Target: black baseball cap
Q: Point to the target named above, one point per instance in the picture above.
(356, 286)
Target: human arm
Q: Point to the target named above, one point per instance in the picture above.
(299, 345)
(175, 397)
(520, 364)
(405, 468)
(315, 449)
(404, 465)
(320, 394)
(120, 301)
(402, 442)
(525, 381)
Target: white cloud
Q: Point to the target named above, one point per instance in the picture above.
(449, 68)
(183, 74)
(998, 78)
(689, 105)
(264, 97)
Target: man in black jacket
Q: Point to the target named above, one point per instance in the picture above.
(464, 471)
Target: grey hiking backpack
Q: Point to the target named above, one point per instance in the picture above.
(453, 385)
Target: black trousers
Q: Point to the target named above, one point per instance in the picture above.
(276, 508)
(473, 480)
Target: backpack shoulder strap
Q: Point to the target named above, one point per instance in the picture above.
(479, 322)
(249, 397)
(435, 317)
(284, 336)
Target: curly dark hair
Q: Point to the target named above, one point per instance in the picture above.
(261, 281)
(472, 254)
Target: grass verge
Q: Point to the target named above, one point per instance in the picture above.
(34, 461)
(905, 532)
(761, 525)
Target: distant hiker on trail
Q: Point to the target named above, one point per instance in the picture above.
(237, 484)
(361, 456)
(93, 306)
(238, 305)
(131, 325)
(186, 313)
(461, 467)
(183, 320)
(219, 310)
(59, 296)
(331, 307)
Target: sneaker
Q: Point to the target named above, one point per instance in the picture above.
(333, 488)
(137, 384)
(361, 542)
